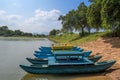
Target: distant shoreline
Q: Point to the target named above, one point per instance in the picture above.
(22, 38)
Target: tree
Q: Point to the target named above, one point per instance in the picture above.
(18, 33)
(4, 31)
(94, 15)
(68, 21)
(75, 19)
(4, 28)
(81, 19)
(104, 14)
(111, 15)
(53, 32)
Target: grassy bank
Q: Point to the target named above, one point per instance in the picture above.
(75, 38)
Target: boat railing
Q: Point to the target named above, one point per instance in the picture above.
(69, 56)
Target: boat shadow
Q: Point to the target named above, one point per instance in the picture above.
(110, 71)
(115, 41)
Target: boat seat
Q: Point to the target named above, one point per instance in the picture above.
(68, 55)
(53, 61)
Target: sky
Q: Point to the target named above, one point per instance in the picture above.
(35, 16)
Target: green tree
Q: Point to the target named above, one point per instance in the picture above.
(81, 19)
(53, 32)
(94, 15)
(111, 15)
(4, 31)
(18, 33)
(75, 20)
(68, 21)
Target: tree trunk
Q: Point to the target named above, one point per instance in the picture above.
(82, 31)
(89, 29)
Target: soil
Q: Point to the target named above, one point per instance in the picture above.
(109, 48)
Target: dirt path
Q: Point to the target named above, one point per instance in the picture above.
(109, 48)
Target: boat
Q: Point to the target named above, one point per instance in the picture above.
(43, 52)
(68, 68)
(43, 48)
(50, 51)
(45, 60)
(85, 54)
(42, 55)
(66, 62)
(56, 65)
(37, 60)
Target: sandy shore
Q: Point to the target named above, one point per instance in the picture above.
(109, 48)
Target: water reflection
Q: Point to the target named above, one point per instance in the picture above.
(65, 77)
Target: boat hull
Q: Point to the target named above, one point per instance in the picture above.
(56, 69)
(45, 61)
(37, 61)
(42, 55)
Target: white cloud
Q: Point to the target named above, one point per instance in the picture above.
(41, 21)
(2, 12)
(10, 20)
(14, 17)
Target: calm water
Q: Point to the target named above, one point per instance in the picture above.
(13, 53)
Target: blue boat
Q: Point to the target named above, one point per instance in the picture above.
(49, 49)
(37, 60)
(80, 65)
(42, 55)
(68, 67)
(43, 52)
(66, 61)
(85, 54)
(44, 47)
(45, 60)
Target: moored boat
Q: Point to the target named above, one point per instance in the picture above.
(49, 50)
(65, 61)
(42, 55)
(38, 61)
(57, 69)
(85, 54)
(45, 60)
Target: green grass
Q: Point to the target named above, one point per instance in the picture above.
(75, 39)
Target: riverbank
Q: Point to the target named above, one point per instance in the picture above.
(109, 48)
(21, 38)
(75, 39)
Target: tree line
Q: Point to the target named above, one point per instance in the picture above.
(6, 32)
(99, 15)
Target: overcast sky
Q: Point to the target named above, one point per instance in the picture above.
(35, 16)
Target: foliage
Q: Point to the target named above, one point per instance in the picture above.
(68, 21)
(54, 32)
(81, 19)
(111, 15)
(5, 32)
(99, 15)
(75, 19)
(94, 16)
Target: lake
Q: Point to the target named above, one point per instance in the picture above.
(13, 52)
